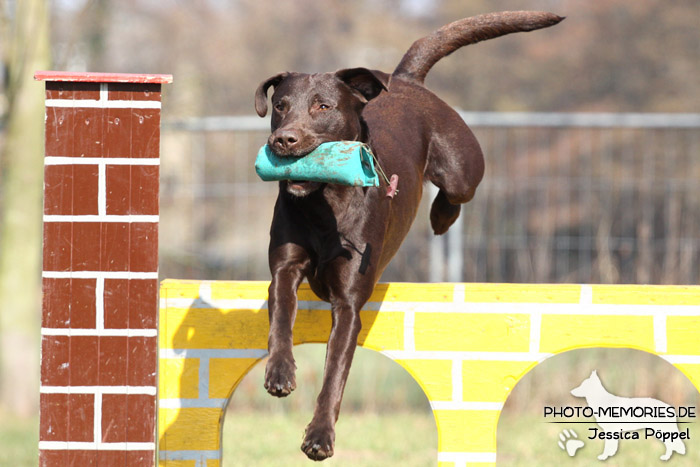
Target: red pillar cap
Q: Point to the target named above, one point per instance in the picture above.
(79, 77)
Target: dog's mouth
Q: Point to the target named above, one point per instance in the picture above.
(301, 188)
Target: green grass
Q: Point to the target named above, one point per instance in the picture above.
(385, 419)
(19, 442)
(362, 440)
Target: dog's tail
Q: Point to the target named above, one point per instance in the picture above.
(425, 52)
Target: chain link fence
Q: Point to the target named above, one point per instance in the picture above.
(580, 198)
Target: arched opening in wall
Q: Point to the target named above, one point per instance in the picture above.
(385, 418)
(587, 405)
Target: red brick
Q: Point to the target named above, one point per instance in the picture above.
(56, 303)
(113, 361)
(81, 417)
(143, 250)
(140, 458)
(67, 90)
(132, 133)
(67, 417)
(128, 418)
(88, 132)
(132, 190)
(143, 353)
(53, 424)
(134, 91)
(72, 458)
(85, 244)
(50, 458)
(59, 122)
(118, 133)
(145, 133)
(130, 304)
(114, 254)
(70, 189)
(55, 368)
(141, 418)
(94, 246)
(58, 237)
(75, 132)
(69, 303)
(84, 366)
(58, 189)
(85, 186)
(118, 189)
(113, 458)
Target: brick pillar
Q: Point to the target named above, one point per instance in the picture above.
(100, 269)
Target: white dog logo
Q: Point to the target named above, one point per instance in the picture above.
(621, 417)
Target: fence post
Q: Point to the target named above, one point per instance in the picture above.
(100, 269)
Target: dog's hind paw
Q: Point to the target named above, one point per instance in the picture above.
(318, 443)
(443, 214)
(279, 377)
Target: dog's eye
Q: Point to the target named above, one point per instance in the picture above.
(324, 107)
(280, 106)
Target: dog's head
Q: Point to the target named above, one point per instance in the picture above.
(308, 110)
(589, 386)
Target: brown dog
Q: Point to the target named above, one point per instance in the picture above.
(341, 238)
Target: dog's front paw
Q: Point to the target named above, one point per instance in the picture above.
(279, 376)
(318, 442)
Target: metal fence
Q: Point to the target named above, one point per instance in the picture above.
(583, 198)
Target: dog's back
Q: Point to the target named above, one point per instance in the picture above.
(410, 123)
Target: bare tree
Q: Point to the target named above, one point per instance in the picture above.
(25, 49)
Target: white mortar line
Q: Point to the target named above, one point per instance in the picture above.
(92, 446)
(141, 390)
(201, 403)
(97, 423)
(465, 405)
(67, 160)
(99, 332)
(102, 217)
(457, 389)
(98, 274)
(101, 191)
(100, 304)
(462, 458)
(100, 104)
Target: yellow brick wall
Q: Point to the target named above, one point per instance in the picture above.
(467, 345)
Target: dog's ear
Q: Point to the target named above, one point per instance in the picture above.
(261, 92)
(368, 83)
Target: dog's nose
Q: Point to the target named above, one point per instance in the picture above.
(285, 140)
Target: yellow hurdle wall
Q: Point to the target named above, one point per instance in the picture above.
(467, 345)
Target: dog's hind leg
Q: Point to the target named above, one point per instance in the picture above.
(456, 166)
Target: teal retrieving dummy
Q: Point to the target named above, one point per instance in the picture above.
(342, 162)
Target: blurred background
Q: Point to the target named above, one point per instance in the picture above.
(590, 130)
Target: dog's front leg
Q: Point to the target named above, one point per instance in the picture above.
(288, 264)
(320, 433)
